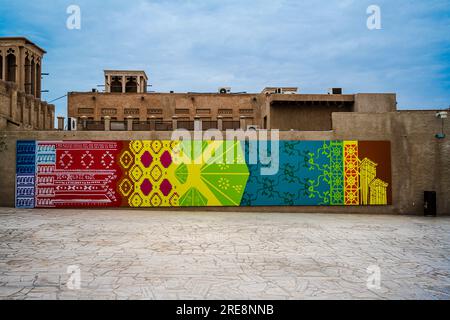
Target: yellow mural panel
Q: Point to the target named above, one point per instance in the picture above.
(351, 173)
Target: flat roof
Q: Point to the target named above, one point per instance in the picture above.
(26, 40)
(126, 72)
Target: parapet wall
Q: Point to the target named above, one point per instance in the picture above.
(20, 111)
(419, 161)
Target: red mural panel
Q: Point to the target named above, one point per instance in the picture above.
(77, 174)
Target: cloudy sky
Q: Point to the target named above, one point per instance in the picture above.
(187, 45)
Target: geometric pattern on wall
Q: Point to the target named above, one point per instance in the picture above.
(25, 173)
(206, 178)
(148, 179)
(77, 174)
(164, 173)
(351, 173)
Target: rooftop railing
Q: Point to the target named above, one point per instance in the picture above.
(142, 126)
(209, 124)
(231, 125)
(118, 126)
(164, 126)
(185, 124)
(154, 125)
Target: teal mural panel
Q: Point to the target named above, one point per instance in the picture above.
(310, 173)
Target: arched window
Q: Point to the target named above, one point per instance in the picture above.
(1, 66)
(11, 67)
(33, 78)
(131, 85)
(27, 75)
(116, 85)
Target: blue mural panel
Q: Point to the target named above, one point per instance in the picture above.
(25, 173)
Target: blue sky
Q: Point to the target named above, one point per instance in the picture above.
(187, 45)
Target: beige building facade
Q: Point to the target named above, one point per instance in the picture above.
(20, 86)
(126, 105)
(21, 63)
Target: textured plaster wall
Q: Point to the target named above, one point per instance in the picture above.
(375, 102)
(20, 111)
(307, 118)
(420, 162)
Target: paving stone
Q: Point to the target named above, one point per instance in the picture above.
(126, 254)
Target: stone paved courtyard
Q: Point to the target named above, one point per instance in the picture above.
(124, 254)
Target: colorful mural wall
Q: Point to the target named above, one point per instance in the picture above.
(139, 173)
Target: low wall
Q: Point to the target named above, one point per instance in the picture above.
(169, 173)
(419, 160)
